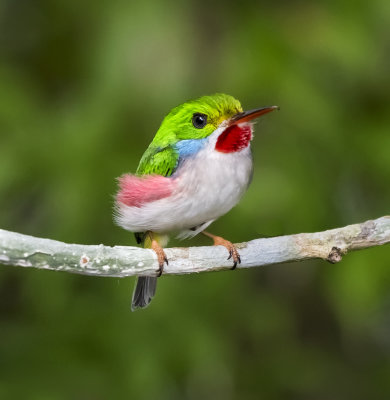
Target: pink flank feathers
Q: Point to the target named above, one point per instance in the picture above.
(135, 191)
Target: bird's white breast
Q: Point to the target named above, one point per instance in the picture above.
(208, 185)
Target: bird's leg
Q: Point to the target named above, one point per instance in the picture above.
(219, 241)
(161, 257)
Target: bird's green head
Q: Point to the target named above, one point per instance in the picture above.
(199, 118)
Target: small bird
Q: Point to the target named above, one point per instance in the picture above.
(196, 169)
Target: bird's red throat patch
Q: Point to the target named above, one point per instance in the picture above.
(234, 138)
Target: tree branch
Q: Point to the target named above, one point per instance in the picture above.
(120, 261)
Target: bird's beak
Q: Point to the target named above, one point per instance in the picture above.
(251, 114)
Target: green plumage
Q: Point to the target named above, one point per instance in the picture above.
(158, 161)
(161, 157)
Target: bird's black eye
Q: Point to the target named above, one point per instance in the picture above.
(199, 120)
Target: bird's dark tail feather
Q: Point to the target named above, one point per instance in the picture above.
(145, 288)
(144, 292)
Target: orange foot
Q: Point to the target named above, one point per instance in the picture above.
(233, 253)
(161, 256)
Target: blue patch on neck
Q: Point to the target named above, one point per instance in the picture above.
(189, 147)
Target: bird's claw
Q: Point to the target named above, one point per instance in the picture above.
(236, 258)
(233, 253)
(236, 261)
(161, 257)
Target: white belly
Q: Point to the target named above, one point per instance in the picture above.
(208, 186)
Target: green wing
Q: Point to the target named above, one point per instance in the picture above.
(159, 161)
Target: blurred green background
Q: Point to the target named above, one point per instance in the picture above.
(84, 86)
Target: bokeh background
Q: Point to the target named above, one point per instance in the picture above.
(84, 86)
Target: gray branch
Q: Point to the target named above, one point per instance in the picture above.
(120, 261)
